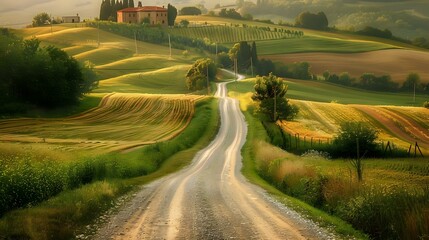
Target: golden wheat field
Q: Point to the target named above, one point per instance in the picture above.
(121, 121)
(399, 125)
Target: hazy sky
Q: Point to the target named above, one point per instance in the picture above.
(18, 13)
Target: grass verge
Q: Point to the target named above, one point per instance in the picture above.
(66, 214)
(256, 132)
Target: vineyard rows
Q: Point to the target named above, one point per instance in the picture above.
(225, 34)
(121, 121)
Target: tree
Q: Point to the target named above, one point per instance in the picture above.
(356, 139)
(230, 13)
(105, 10)
(223, 60)
(313, 21)
(46, 77)
(41, 19)
(196, 78)
(413, 80)
(131, 3)
(190, 11)
(326, 75)
(270, 92)
(172, 14)
(184, 23)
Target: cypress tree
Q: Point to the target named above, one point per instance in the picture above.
(172, 14)
(244, 55)
(102, 10)
(131, 3)
(254, 54)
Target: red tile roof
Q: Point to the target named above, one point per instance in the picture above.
(144, 9)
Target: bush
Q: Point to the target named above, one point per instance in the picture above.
(313, 21)
(196, 78)
(190, 11)
(426, 104)
(352, 133)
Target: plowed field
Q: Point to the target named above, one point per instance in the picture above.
(398, 63)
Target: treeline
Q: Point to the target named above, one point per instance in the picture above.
(387, 34)
(42, 76)
(109, 9)
(384, 83)
(155, 35)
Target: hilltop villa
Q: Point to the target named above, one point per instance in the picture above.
(155, 15)
(71, 19)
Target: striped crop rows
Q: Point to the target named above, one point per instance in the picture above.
(225, 34)
(120, 121)
(401, 125)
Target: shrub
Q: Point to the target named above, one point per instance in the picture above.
(426, 104)
(353, 134)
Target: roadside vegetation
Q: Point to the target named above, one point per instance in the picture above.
(43, 173)
(393, 206)
(42, 76)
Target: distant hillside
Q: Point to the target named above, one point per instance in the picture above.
(405, 18)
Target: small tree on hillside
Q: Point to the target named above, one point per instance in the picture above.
(413, 80)
(270, 92)
(202, 71)
(41, 19)
(355, 141)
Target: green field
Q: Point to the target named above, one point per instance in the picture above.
(326, 92)
(318, 44)
(76, 144)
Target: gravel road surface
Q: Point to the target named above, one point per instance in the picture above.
(210, 199)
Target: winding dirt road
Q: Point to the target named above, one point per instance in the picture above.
(210, 199)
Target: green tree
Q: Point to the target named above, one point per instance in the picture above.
(190, 11)
(172, 14)
(413, 80)
(45, 77)
(196, 77)
(270, 92)
(41, 19)
(313, 21)
(356, 140)
(184, 23)
(326, 75)
(131, 3)
(223, 60)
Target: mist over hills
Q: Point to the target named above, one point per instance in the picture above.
(405, 18)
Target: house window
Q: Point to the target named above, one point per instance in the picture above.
(148, 14)
(157, 14)
(163, 21)
(129, 14)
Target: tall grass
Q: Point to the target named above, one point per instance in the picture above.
(384, 211)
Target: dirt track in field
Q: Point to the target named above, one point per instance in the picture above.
(398, 63)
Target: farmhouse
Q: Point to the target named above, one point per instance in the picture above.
(71, 19)
(150, 14)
